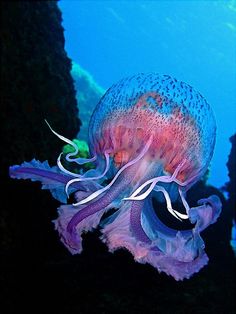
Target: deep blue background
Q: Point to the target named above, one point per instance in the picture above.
(195, 41)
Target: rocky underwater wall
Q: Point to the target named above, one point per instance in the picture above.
(36, 84)
(231, 165)
(36, 81)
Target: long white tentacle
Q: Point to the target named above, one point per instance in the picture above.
(80, 161)
(153, 182)
(63, 138)
(62, 168)
(82, 178)
(168, 201)
(98, 192)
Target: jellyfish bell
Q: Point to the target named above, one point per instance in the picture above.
(149, 135)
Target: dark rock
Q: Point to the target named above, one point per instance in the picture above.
(35, 82)
(231, 164)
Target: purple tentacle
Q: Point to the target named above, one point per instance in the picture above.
(135, 222)
(21, 172)
(52, 178)
(98, 205)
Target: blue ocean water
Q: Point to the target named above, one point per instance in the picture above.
(194, 41)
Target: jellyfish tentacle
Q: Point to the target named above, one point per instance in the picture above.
(168, 201)
(185, 203)
(180, 215)
(80, 161)
(64, 139)
(153, 182)
(185, 183)
(96, 206)
(135, 222)
(82, 178)
(130, 163)
(62, 168)
(135, 197)
(175, 213)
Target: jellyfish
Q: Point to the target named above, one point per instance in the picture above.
(150, 136)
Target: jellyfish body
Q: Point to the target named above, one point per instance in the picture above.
(149, 136)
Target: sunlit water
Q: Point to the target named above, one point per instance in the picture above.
(194, 41)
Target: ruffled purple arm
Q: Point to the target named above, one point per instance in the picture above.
(177, 253)
(52, 178)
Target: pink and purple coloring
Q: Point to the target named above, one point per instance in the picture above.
(150, 136)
